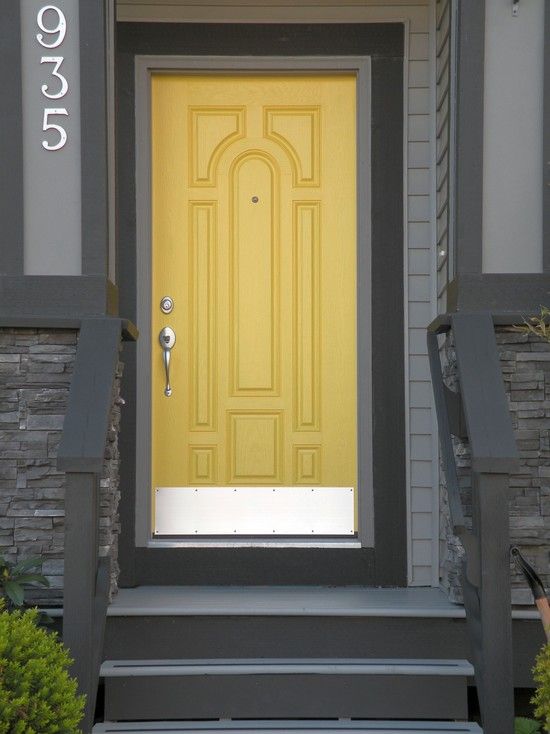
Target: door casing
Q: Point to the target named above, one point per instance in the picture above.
(360, 66)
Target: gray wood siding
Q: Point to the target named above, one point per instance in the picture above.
(443, 118)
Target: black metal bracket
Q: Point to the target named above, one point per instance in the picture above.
(531, 576)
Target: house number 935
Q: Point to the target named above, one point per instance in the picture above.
(53, 27)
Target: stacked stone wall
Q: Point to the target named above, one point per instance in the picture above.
(525, 362)
(35, 374)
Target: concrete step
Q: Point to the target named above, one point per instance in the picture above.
(285, 689)
(288, 727)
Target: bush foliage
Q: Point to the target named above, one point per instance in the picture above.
(537, 325)
(541, 674)
(37, 696)
(15, 577)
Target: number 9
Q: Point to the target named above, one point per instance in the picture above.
(60, 28)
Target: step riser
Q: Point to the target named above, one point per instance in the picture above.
(155, 637)
(151, 637)
(282, 696)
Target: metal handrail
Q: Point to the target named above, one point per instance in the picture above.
(479, 412)
(81, 454)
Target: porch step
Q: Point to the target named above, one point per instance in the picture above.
(285, 689)
(288, 727)
(132, 668)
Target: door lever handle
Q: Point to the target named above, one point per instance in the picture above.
(167, 339)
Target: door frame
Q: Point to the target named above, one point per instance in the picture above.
(145, 65)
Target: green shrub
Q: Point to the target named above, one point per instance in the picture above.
(15, 577)
(541, 674)
(526, 726)
(37, 696)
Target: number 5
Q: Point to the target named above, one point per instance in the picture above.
(52, 126)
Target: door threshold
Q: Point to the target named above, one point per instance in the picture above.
(254, 543)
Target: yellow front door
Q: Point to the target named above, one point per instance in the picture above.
(254, 240)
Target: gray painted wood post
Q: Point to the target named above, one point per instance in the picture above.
(491, 526)
(81, 454)
(494, 455)
(11, 144)
(81, 549)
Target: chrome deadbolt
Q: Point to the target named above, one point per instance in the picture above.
(167, 304)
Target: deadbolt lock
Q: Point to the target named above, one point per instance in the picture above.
(166, 304)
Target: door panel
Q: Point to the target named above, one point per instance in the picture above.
(254, 238)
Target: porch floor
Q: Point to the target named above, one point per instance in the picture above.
(290, 600)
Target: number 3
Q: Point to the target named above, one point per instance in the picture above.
(57, 60)
(52, 126)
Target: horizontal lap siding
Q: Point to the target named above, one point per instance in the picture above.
(423, 508)
(420, 259)
(443, 46)
(424, 448)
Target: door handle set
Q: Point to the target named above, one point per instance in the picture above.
(167, 339)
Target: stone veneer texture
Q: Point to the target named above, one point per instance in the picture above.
(35, 373)
(525, 361)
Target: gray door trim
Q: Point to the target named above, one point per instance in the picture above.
(93, 134)
(11, 144)
(360, 65)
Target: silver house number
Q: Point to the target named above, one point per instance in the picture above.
(53, 26)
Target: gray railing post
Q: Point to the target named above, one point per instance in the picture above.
(490, 502)
(494, 455)
(483, 407)
(81, 552)
(81, 455)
